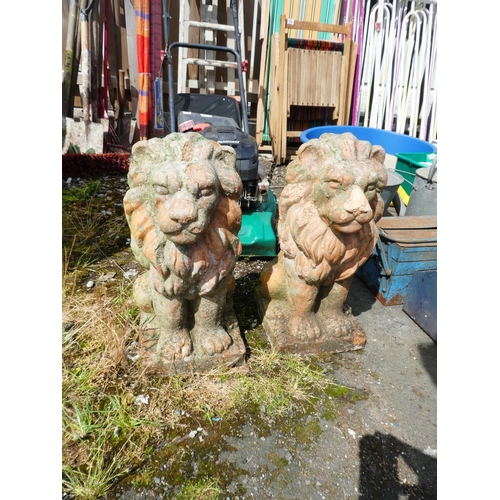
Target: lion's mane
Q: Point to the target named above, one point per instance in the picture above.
(320, 254)
(192, 269)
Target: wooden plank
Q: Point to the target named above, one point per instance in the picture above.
(413, 234)
(408, 222)
(336, 12)
(211, 62)
(285, 110)
(123, 38)
(281, 91)
(427, 252)
(312, 26)
(313, 78)
(210, 26)
(273, 98)
(346, 59)
(96, 38)
(132, 57)
(350, 88)
(114, 52)
(206, 72)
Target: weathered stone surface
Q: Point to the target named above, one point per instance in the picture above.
(328, 211)
(182, 209)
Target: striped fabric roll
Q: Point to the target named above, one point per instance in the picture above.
(143, 60)
(302, 43)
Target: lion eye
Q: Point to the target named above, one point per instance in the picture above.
(162, 190)
(205, 192)
(371, 188)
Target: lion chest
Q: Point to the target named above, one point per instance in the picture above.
(191, 270)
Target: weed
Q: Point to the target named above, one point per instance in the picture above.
(72, 195)
(277, 460)
(89, 227)
(204, 488)
(278, 381)
(143, 480)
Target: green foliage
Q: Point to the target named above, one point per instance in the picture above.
(280, 381)
(201, 489)
(106, 428)
(71, 195)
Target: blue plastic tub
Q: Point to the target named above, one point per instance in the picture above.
(392, 142)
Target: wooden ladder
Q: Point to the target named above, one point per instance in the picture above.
(207, 61)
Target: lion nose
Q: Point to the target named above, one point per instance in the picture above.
(357, 204)
(183, 210)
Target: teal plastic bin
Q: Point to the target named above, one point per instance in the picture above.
(407, 165)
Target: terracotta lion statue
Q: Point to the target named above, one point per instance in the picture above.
(184, 217)
(327, 216)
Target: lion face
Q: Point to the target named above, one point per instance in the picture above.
(348, 196)
(183, 212)
(330, 206)
(186, 197)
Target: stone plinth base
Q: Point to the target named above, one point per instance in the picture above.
(197, 361)
(339, 332)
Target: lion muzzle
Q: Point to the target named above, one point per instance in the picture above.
(357, 204)
(183, 209)
(356, 211)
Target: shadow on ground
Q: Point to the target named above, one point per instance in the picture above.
(428, 355)
(360, 299)
(381, 456)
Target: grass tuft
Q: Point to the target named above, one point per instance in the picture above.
(201, 489)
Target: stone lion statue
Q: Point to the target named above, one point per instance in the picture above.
(184, 217)
(327, 216)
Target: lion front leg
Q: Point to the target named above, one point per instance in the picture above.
(287, 302)
(302, 296)
(209, 336)
(332, 312)
(164, 334)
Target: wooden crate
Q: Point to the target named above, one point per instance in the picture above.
(406, 245)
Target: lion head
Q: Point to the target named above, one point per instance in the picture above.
(329, 206)
(183, 212)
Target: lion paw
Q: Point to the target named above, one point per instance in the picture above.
(305, 327)
(172, 347)
(213, 341)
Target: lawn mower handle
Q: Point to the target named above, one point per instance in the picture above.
(202, 46)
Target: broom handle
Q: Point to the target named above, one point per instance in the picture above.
(85, 70)
(68, 63)
(85, 93)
